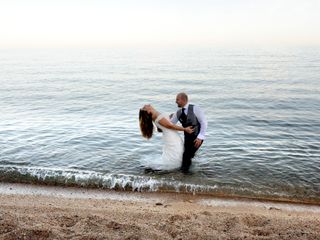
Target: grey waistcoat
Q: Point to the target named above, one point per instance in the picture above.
(191, 120)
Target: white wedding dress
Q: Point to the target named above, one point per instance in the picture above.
(172, 150)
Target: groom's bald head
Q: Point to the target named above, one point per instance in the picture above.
(182, 99)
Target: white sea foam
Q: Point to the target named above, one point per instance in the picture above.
(95, 179)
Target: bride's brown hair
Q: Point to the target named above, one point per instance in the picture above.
(146, 124)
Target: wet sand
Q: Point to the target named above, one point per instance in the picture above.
(38, 212)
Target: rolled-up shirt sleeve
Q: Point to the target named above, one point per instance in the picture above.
(203, 122)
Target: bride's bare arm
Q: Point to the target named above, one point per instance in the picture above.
(164, 122)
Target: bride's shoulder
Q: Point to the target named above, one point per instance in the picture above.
(162, 115)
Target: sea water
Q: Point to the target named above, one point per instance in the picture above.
(70, 117)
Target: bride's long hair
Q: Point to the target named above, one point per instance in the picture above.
(146, 124)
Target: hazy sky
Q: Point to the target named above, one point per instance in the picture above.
(94, 23)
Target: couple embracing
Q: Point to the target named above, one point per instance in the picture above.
(176, 152)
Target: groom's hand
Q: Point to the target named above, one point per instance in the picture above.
(198, 142)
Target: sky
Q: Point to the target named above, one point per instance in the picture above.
(137, 23)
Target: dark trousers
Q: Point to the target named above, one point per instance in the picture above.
(189, 152)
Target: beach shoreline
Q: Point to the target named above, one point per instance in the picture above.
(44, 212)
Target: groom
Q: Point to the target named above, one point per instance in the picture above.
(190, 115)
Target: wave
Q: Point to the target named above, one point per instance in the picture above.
(140, 183)
(92, 179)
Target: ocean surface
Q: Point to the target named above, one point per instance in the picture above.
(70, 117)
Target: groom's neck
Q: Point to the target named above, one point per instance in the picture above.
(184, 106)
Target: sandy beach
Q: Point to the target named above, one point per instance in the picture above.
(39, 212)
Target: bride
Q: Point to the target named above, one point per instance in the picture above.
(173, 144)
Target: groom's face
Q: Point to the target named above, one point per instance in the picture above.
(180, 101)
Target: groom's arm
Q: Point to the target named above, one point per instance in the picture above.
(203, 122)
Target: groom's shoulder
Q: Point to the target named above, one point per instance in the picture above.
(192, 105)
(195, 107)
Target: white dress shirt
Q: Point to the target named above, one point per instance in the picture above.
(200, 116)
